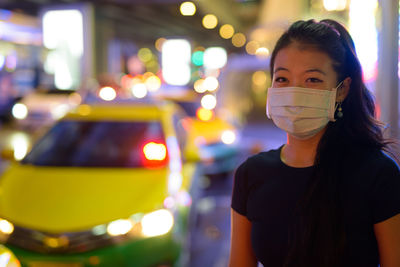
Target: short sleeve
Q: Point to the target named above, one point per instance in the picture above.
(386, 192)
(240, 190)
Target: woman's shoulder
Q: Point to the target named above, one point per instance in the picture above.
(383, 185)
(373, 163)
(378, 159)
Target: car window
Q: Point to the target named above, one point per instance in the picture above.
(96, 144)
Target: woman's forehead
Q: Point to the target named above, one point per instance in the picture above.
(299, 56)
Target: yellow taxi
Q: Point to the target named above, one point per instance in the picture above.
(108, 185)
(216, 138)
(217, 142)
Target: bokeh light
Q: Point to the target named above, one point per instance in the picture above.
(228, 137)
(239, 39)
(262, 52)
(153, 83)
(145, 54)
(107, 93)
(176, 59)
(197, 58)
(159, 42)
(119, 227)
(19, 111)
(139, 90)
(152, 66)
(215, 57)
(198, 86)
(155, 151)
(251, 47)
(259, 82)
(188, 9)
(20, 143)
(209, 101)
(335, 5)
(363, 30)
(259, 78)
(210, 21)
(204, 114)
(157, 223)
(6, 227)
(211, 84)
(226, 31)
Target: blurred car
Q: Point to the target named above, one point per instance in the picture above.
(218, 145)
(216, 138)
(106, 186)
(44, 107)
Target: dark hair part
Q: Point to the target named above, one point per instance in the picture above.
(317, 237)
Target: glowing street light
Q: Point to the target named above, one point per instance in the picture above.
(226, 31)
(188, 9)
(210, 21)
(238, 39)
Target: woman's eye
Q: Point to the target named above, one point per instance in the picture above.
(280, 79)
(314, 80)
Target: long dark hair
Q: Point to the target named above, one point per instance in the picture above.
(317, 237)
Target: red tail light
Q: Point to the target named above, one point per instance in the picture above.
(154, 154)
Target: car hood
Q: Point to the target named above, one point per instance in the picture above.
(62, 199)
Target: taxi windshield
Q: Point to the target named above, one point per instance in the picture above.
(95, 144)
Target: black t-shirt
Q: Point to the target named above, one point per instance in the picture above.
(266, 191)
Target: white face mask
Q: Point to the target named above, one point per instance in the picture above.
(301, 112)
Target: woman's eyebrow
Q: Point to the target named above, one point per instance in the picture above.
(280, 68)
(315, 70)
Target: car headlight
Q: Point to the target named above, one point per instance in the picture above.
(119, 227)
(157, 223)
(6, 227)
(137, 226)
(152, 224)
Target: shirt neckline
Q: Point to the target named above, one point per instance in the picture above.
(288, 166)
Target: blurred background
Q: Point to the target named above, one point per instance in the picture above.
(190, 77)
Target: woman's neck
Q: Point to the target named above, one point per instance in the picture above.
(300, 153)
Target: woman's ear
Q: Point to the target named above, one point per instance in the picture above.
(343, 90)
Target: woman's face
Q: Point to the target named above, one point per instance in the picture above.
(300, 66)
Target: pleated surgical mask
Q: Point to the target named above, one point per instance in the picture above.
(301, 112)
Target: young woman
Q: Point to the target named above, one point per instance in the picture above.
(330, 196)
